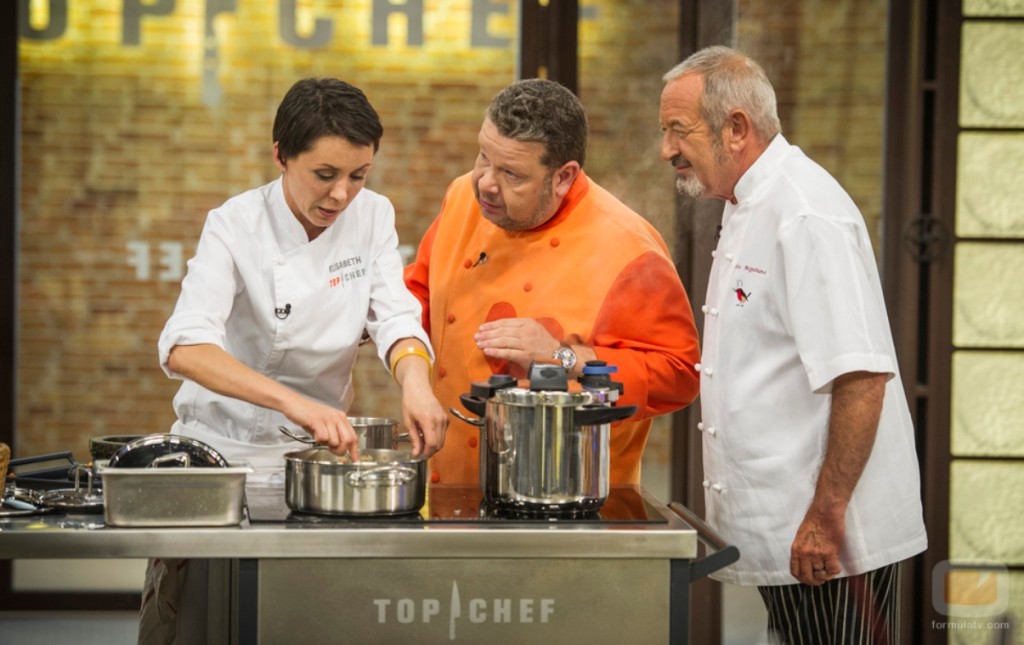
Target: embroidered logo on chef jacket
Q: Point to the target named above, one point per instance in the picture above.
(741, 295)
(346, 271)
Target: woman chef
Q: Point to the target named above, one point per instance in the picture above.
(285, 279)
(267, 327)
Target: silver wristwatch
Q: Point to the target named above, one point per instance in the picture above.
(566, 357)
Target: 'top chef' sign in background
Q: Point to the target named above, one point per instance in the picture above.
(298, 25)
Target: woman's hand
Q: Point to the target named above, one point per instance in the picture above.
(423, 416)
(329, 426)
(215, 369)
(422, 413)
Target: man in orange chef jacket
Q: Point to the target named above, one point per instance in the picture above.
(529, 259)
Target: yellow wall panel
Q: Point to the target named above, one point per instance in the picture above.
(993, 7)
(989, 192)
(992, 75)
(988, 309)
(986, 499)
(988, 396)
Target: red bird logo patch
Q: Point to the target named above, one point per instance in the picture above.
(741, 295)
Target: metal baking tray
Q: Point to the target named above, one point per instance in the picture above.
(193, 496)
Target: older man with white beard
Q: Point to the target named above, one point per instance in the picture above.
(809, 459)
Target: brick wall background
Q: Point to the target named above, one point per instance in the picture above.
(125, 147)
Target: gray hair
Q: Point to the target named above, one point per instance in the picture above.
(542, 111)
(731, 80)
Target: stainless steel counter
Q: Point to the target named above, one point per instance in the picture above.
(452, 573)
(85, 536)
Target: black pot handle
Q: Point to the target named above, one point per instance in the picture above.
(593, 415)
(474, 404)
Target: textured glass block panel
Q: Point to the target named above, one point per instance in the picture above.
(988, 295)
(993, 7)
(989, 193)
(990, 629)
(988, 399)
(985, 502)
(992, 75)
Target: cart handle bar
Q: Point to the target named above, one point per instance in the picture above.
(724, 555)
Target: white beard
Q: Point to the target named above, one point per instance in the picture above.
(690, 186)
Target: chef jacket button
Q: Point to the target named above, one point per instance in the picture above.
(442, 372)
(528, 287)
(706, 483)
(714, 253)
(555, 241)
(698, 367)
(718, 488)
(281, 261)
(467, 263)
(472, 442)
(714, 311)
(704, 308)
(700, 426)
(451, 318)
(709, 371)
(712, 430)
(729, 256)
(435, 477)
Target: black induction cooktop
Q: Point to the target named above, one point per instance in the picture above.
(458, 504)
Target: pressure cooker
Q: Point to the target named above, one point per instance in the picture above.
(544, 446)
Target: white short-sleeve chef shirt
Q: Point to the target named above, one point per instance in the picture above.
(793, 301)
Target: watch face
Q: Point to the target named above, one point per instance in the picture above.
(566, 356)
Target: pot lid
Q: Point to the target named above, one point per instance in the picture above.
(166, 450)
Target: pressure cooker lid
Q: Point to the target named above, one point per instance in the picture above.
(525, 397)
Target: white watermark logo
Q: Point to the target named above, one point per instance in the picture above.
(970, 592)
(478, 611)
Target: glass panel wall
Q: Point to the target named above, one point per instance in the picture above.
(987, 437)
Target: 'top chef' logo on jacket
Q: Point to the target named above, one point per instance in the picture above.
(348, 270)
(477, 610)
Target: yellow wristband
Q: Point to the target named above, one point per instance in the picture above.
(399, 354)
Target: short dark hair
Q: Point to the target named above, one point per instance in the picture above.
(542, 111)
(318, 107)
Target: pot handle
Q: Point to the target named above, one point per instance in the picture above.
(592, 414)
(474, 404)
(380, 476)
(473, 422)
(179, 459)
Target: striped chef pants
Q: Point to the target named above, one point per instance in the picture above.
(855, 610)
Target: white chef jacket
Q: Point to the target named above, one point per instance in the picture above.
(793, 301)
(289, 308)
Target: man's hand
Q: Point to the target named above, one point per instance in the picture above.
(815, 554)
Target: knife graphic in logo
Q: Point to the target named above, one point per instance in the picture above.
(456, 611)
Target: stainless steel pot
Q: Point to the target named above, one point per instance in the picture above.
(375, 433)
(543, 448)
(318, 481)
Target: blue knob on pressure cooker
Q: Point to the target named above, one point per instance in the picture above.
(597, 375)
(598, 367)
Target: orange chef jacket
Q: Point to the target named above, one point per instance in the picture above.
(596, 273)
